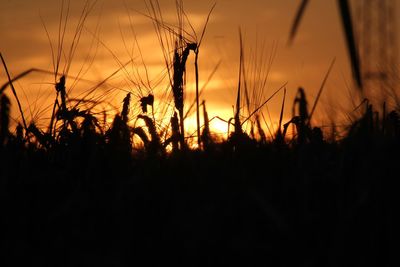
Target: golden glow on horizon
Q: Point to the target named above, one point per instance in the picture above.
(304, 64)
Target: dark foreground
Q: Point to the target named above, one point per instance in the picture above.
(255, 205)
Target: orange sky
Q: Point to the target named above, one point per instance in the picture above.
(24, 45)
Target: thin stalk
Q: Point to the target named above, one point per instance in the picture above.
(14, 92)
(297, 20)
(320, 90)
(203, 87)
(196, 65)
(282, 109)
(238, 125)
(53, 115)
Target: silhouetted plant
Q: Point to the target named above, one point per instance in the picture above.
(125, 108)
(206, 139)
(4, 118)
(154, 146)
(260, 130)
(175, 136)
(147, 101)
(118, 136)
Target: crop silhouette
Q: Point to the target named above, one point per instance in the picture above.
(82, 192)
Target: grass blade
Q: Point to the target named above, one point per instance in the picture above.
(296, 22)
(351, 45)
(320, 90)
(14, 92)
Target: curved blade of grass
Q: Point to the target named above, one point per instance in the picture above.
(13, 90)
(350, 40)
(27, 72)
(282, 108)
(205, 25)
(320, 90)
(237, 112)
(296, 22)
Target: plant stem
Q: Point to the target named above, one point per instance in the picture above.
(196, 65)
(14, 92)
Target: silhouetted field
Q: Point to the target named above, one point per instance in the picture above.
(84, 193)
(88, 199)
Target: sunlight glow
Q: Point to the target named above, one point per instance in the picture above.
(108, 41)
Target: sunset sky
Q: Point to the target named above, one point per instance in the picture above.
(24, 45)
